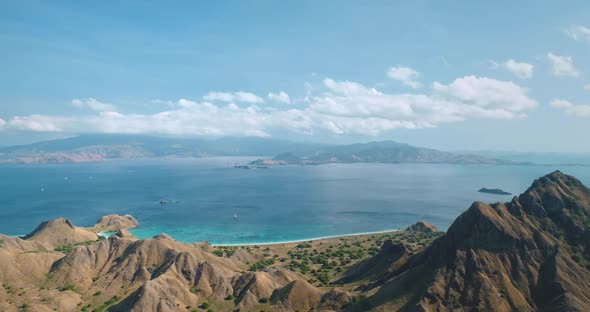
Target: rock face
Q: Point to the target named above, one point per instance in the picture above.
(526, 255)
(422, 226)
(114, 222)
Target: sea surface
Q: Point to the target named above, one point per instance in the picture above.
(272, 205)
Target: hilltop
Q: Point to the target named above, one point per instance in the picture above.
(529, 254)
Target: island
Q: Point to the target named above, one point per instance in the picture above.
(493, 191)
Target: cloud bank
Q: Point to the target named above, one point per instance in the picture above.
(332, 107)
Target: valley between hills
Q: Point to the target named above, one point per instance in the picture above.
(529, 254)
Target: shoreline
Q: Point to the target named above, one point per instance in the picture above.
(304, 240)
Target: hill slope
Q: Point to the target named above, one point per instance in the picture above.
(526, 255)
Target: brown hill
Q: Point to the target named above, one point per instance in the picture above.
(526, 255)
(60, 231)
(422, 226)
(114, 222)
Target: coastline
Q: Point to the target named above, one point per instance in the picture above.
(306, 240)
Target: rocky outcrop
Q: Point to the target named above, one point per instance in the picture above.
(422, 226)
(114, 222)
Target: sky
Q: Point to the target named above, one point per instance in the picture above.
(453, 75)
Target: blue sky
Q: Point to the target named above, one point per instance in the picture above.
(456, 75)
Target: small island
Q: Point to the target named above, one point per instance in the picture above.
(494, 191)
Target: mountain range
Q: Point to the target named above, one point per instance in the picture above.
(90, 148)
(374, 152)
(529, 254)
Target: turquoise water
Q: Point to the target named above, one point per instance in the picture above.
(273, 205)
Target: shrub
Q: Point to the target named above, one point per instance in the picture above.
(69, 287)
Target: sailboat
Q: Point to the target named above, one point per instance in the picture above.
(235, 214)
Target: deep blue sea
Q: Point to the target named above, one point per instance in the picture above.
(273, 205)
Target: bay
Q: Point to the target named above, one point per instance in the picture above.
(272, 205)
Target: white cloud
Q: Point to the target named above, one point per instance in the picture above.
(578, 110)
(351, 108)
(490, 94)
(587, 87)
(520, 70)
(2, 123)
(240, 96)
(578, 33)
(282, 97)
(406, 75)
(337, 107)
(39, 123)
(562, 65)
(93, 104)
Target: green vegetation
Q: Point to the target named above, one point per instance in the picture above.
(8, 288)
(262, 264)
(1, 243)
(263, 300)
(67, 248)
(226, 251)
(230, 297)
(107, 304)
(69, 287)
(194, 290)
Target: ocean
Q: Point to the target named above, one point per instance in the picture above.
(288, 203)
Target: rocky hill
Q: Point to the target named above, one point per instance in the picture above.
(530, 254)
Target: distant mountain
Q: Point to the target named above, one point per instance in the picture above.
(375, 152)
(89, 148)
